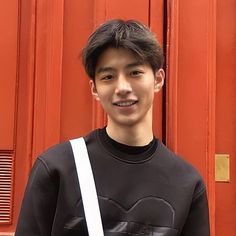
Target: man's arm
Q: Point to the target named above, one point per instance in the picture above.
(197, 223)
(39, 203)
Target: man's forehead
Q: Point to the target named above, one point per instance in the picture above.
(115, 57)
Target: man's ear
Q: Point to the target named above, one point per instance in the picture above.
(159, 80)
(94, 90)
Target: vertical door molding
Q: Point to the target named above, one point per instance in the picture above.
(156, 24)
(48, 74)
(211, 110)
(25, 96)
(172, 73)
(191, 84)
(99, 16)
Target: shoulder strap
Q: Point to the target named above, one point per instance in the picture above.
(87, 187)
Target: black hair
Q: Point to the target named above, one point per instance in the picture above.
(131, 35)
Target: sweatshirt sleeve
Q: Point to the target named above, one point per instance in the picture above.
(39, 203)
(197, 222)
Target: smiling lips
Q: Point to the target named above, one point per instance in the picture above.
(124, 103)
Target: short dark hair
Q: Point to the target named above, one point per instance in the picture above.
(129, 34)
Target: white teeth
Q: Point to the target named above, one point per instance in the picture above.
(125, 104)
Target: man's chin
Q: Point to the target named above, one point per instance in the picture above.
(125, 121)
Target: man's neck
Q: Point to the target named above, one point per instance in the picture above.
(135, 135)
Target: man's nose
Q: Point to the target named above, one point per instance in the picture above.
(123, 85)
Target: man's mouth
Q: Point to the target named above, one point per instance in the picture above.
(125, 103)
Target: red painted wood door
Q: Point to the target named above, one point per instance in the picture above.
(44, 93)
(226, 115)
(45, 96)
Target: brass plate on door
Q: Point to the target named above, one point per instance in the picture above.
(222, 168)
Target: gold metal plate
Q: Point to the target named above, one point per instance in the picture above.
(222, 168)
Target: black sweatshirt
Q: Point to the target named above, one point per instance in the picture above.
(146, 191)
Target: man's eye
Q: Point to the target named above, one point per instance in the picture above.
(107, 77)
(136, 73)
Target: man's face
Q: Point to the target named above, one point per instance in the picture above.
(125, 87)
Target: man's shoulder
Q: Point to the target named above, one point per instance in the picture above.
(56, 151)
(178, 167)
(61, 155)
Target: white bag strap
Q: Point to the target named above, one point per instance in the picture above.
(87, 187)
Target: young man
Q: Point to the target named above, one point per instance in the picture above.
(143, 188)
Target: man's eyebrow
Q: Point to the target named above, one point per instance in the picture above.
(105, 69)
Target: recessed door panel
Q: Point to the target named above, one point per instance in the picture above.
(8, 62)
